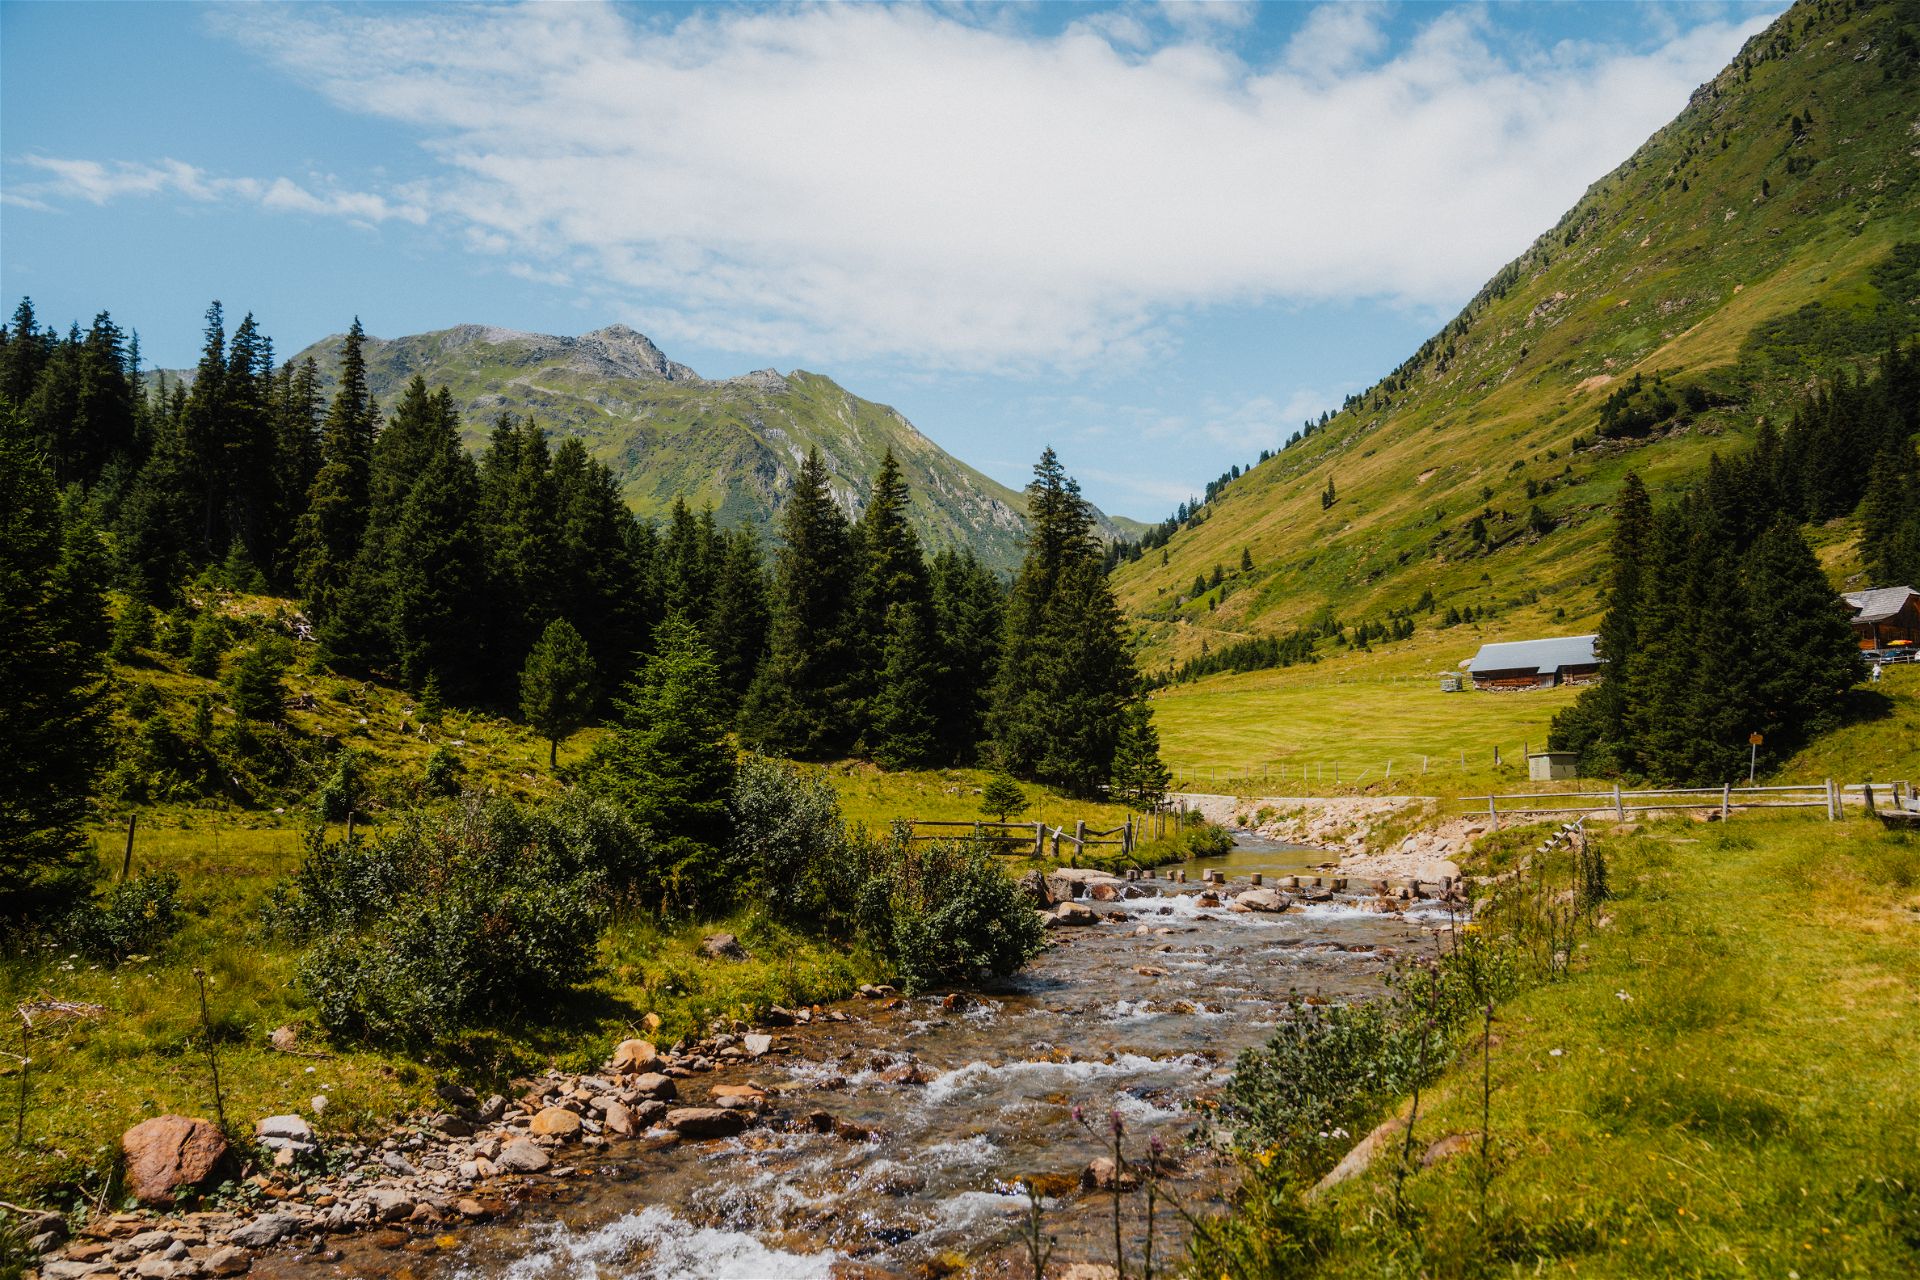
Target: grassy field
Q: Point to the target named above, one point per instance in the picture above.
(1292, 730)
(875, 798)
(143, 1052)
(1723, 1085)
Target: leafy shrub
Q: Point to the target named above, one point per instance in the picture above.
(940, 911)
(442, 774)
(130, 918)
(787, 835)
(454, 920)
(344, 791)
(1327, 1069)
(209, 642)
(254, 685)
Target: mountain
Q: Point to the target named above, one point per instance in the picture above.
(668, 433)
(1768, 236)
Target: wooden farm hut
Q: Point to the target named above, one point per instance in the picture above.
(1886, 617)
(1535, 664)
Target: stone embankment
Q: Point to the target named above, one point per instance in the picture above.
(1361, 834)
(469, 1160)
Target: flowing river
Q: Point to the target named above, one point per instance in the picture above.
(1139, 1014)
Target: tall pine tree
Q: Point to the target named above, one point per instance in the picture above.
(804, 700)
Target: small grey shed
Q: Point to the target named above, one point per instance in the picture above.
(1546, 766)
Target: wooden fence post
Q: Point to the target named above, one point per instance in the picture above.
(1080, 836)
(1832, 814)
(1039, 839)
(126, 863)
(1726, 800)
(1619, 805)
(1493, 814)
(1867, 792)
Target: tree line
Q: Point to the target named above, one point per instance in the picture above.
(521, 571)
(1720, 622)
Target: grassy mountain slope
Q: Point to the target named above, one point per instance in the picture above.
(1737, 254)
(667, 433)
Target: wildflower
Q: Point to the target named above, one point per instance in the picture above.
(1113, 1119)
(1623, 996)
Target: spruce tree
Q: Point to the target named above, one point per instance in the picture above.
(328, 534)
(519, 524)
(903, 718)
(557, 685)
(605, 587)
(1140, 777)
(668, 762)
(1066, 674)
(1595, 726)
(897, 662)
(737, 617)
(802, 702)
(52, 628)
(1803, 654)
(967, 608)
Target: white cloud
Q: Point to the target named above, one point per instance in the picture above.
(98, 183)
(947, 187)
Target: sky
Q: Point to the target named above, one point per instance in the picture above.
(1157, 236)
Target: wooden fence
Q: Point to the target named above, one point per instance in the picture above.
(1895, 799)
(1030, 839)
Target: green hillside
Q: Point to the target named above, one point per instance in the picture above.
(1769, 236)
(668, 433)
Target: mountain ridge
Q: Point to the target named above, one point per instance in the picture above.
(1766, 236)
(668, 433)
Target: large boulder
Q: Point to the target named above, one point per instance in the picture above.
(555, 1122)
(522, 1155)
(168, 1152)
(1034, 885)
(634, 1055)
(705, 1122)
(653, 1085)
(722, 946)
(1072, 913)
(1262, 900)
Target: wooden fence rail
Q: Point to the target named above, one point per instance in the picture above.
(1899, 797)
(1031, 837)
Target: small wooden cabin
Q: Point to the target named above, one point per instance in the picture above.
(1535, 664)
(1886, 617)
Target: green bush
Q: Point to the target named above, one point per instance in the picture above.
(131, 918)
(345, 790)
(941, 911)
(442, 774)
(209, 642)
(254, 682)
(787, 835)
(1326, 1071)
(453, 920)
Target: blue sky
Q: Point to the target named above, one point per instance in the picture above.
(1156, 236)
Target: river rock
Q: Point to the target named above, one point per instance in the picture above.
(389, 1204)
(705, 1122)
(756, 1045)
(618, 1119)
(1262, 900)
(652, 1085)
(229, 1260)
(630, 1056)
(265, 1231)
(722, 946)
(735, 1096)
(1034, 886)
(1072, 913)
(1099, 1176)
(555, 1122)
(522, 1155)
(173, 1151)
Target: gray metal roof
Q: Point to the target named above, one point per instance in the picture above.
(1543, 656)
(1878, 604)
